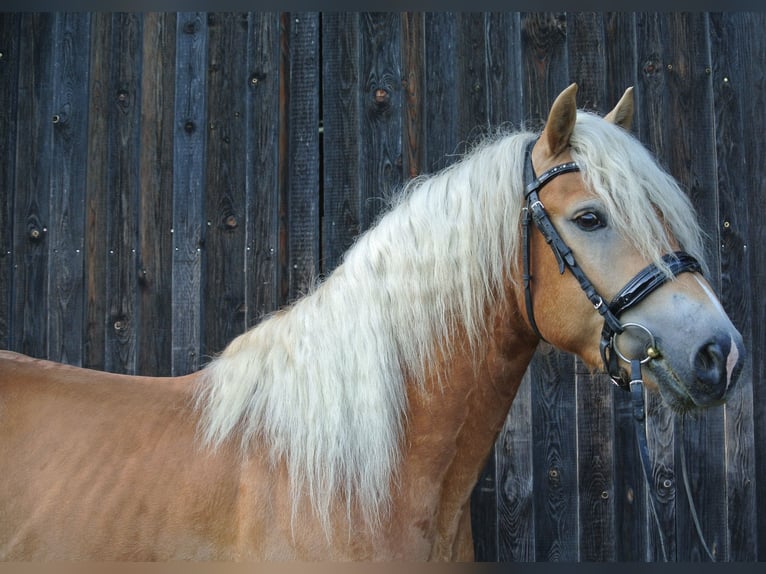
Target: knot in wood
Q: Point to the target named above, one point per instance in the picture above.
(382, 99)
(230, 222)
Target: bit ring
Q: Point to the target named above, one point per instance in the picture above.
(652, 352)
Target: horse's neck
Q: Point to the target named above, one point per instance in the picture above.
(450, 432)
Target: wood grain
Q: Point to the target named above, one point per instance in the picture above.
(188, 198)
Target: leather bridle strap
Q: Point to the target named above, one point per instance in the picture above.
(535, 211)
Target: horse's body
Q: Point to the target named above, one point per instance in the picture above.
(354, 425)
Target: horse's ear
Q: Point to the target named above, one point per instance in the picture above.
(622, 114)
(561, 121)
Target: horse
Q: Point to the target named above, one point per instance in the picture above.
(353, 425)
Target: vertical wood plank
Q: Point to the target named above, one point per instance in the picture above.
(653, 130)
(32, 180)
(739, 82)
(121, 193)
(262, 178)
(67, 187)
(225, 201)
(627, 481)
(155, 201)
(413, 83)
(472, 87)
(9, 87)
(97, 184)
(511, 466)
(188, 193)
(505, 95)
(753, 85)
(302, 177)
(552, 372)
(471, 82)
(693, 162)
(440, 96)
(515, 480)
(381, 105)
(587, 61)
(341, 119)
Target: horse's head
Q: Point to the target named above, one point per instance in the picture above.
(623, 218)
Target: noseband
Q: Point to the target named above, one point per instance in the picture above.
(636, 290)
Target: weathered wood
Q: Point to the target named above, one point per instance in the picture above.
(9, 77)
(655, 133)
(504, 70)
(380, 135)
(413, 83)
(511, 467)
(627, 481)
(97, 183)
(188, 216)
(552, 373)
(120, 227)
(32, 179)
(301, 182)
(440, 103)
(341, 117)
(693, 163)
(224, 284)
(262, 181)
(738, 92)
(155, 202)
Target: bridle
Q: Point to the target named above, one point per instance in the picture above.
(636, 290)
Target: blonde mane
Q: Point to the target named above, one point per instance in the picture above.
(323, 382)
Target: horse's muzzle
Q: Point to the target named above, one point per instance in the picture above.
(716, 366)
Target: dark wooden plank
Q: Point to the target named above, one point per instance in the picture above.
(471, 81)
(34, 124)
(554, 456)
(440, 95)
(122, 194)
(751, 83)
(587, 47)
(262, 148)
(511, 472)
(188, 194)
(155, 201)
(67, 187)
(552, 372)
(627, 480)
(473, 124)
(341, 118)
(515, 483)
(225, 202)
(504, 69)
(738, 81)
(9, 87)
(302, 175)
(413, 84)
(693, 162)
(381, 106)
(544, 61)
(653, 129)
(97, 218)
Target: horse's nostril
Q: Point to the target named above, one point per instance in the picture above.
(710, 366)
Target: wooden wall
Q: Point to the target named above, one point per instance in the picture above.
(167, 179)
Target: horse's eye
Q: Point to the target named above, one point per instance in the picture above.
(589, 221)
